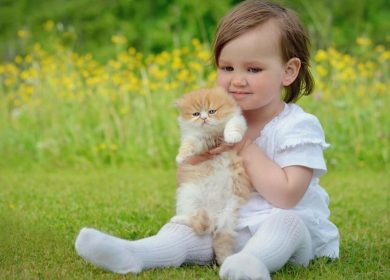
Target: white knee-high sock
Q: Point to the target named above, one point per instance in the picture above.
(173, 245)
(281, 238)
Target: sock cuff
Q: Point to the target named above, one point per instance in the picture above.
(170, 228)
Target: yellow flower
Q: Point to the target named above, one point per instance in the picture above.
(348, 74)
(9, 81)
(114, 147)
(203, 55)
(177, 63)
(363, 41)
(321, 55)
(118, 39)
(361, 91)
(176, 52)
(18, 59)
(139, 56)
(114, 64)
(183, 75)
(384, 56)
(195, 42)
(380, 87)
(363, 71)
(212, 77)
(124, 110)
(196, 66)
(24, 75)
(157, 73)
(23, 33)
(185, 50)
(337, 64)
(321, 71)
(320, 85)
(48, 25)
(28, 58)
(92, 81)
(117, 79)
(132, 51)
(380, 48)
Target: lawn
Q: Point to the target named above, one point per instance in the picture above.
(41, 212)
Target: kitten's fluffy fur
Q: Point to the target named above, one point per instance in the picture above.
(210, 193)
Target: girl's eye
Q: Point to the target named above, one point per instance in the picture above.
(211, 112)
(227, 68)
(196, 114)
(254, 70)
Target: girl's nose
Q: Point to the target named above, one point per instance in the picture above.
(239, 81)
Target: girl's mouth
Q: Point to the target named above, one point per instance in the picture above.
(239, 94)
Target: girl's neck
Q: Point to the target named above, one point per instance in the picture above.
(257, 119)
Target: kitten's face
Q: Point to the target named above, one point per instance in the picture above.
(207, 107)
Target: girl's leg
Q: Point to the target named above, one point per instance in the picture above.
(173, 245)
(281, 238)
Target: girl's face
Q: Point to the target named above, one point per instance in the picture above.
(252, 70)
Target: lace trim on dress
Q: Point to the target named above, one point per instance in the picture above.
(292, 143)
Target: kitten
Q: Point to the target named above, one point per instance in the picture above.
(211, 192)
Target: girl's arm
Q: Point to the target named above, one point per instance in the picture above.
(283, 187)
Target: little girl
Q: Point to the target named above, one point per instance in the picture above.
(261, 52)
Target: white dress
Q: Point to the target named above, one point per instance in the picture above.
(296, 138)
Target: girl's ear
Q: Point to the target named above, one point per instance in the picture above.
(291, 71)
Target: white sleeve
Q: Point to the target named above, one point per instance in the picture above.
(308, 155)
(301, 141)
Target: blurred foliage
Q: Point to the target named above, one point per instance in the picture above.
(60, 107)
(150, 26)
(156, 25)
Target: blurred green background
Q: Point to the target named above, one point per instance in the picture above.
(93, 82)
(156, 25)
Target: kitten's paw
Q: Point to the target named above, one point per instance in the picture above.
(200, 222)
(181, 219)
(232, 137)
(180, 159)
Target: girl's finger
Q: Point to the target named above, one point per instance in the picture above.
(220, 149)
(198, 159)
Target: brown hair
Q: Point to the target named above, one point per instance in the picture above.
(294, 40)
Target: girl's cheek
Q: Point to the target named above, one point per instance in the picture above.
(222, 81)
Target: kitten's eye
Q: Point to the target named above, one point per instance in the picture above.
(254, 70)
(196, 114)
(211, 112)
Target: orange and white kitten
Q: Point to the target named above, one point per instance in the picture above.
(210, 193)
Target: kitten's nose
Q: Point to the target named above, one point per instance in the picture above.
(203, 115)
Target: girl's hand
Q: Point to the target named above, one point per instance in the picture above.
(209, 155)
(226, 147)
(198, 158)
(191, 161)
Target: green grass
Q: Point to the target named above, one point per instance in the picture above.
(41, 212)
